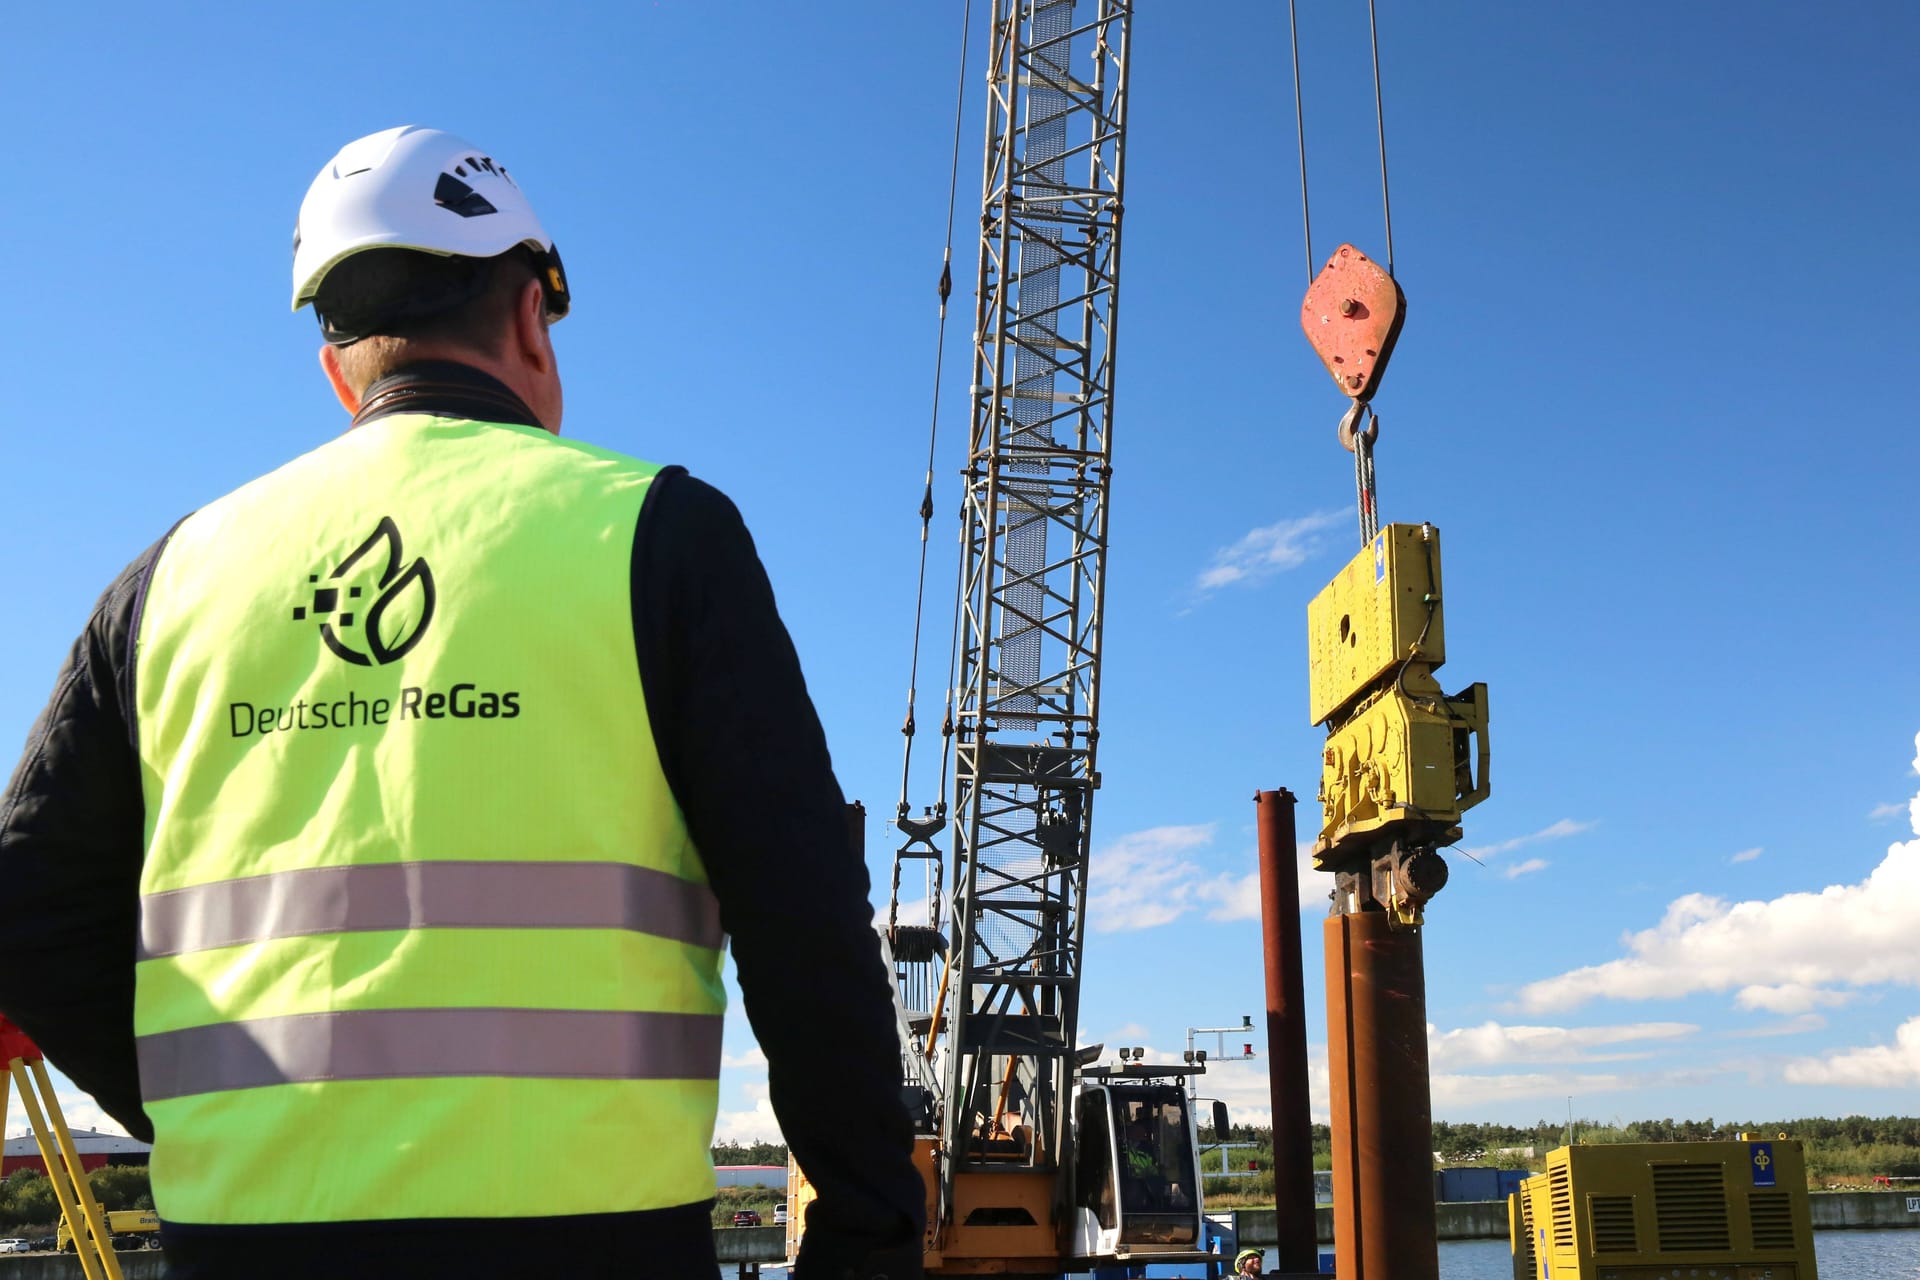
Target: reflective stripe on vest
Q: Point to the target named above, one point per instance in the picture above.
(375, 1044)
(417, 903)
(422, 895)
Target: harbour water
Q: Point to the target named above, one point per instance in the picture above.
(1843, 1255)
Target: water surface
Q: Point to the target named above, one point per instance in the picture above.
(1892, 1254)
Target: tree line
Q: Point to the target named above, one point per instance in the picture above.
(1843, 1151)
(26, 1196)
(750, 1153)
(1846, 1140)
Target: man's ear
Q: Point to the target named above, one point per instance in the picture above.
(330, 362)
(531, 341)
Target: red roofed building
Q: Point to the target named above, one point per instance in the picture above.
(97, 1150)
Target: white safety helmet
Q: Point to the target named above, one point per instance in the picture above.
(418, 189)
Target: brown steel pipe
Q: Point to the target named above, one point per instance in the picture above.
(1286, 1035)
(1383, 1214)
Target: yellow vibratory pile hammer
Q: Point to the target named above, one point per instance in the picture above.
(1403, 759)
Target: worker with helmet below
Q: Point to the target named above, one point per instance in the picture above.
(1247, 1263)
(376, 855)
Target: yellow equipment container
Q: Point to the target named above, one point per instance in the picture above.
(1637, 1211)
(1378, 612)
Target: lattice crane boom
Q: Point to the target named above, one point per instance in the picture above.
(1036, 1159)
(1033, 574)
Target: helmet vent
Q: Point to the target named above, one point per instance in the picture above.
(452, 194)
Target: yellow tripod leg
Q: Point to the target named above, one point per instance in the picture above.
(84, 1189)
(70, 1187)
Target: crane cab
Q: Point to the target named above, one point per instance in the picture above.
(1136, 1183)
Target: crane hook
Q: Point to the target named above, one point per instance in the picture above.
(1350, 423)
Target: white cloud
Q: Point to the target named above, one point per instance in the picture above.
(82, 1112)
(1557, 831)
(1233, 897)
(743, 1077)
(1746, 855)
(1144, 879)
(912, 911)
(77, 1108)
(1469, 1094)
(754, 1124)
(1266, 551)
(1795, 1026)
(1777, 953)
(1853, 935)
(1881, 812)
(1149, 878)
(1463, 1091)
(1791, 997)
(1246, 1086)
(1496, 1044)
(1238, 897)
(1526, 868)
(1869, 1067)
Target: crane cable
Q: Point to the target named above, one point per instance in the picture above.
(1300, 131)
(1380, 122)
(908, 728)
(1361, 425)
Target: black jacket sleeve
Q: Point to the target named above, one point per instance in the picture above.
(745, 755)
(72, 825)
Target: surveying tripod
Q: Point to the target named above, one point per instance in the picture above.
(27, 1068)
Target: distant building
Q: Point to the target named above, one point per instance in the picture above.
(751, 1175)
(97, 1150)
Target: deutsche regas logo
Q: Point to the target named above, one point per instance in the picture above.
(392, 623)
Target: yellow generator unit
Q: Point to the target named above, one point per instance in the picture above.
(1637, 1211)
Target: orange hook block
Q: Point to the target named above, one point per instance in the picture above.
(1352, 315)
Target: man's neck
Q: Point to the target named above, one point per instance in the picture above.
(448, 387)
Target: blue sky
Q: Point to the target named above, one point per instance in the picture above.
(1660, 269)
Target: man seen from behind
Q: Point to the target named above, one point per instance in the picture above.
(377, 852)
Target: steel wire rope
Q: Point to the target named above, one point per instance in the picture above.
(933, 432)
(1363, 448)
(1300, 130)
(1380, 120)
(1364, 482)
(1300, 133)
(1363, 470)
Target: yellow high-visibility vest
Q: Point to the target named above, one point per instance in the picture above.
(423, 933)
